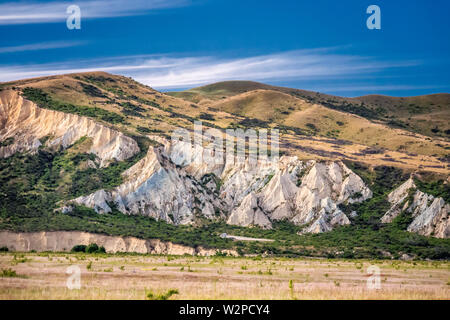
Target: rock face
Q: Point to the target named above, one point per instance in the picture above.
(26, 123)
(65, 240)
(325, 186)
(249, 214)
(174, 184)
(164, 185)
(430, 214)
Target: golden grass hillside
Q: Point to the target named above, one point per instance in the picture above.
(428, 115)
(309, 127)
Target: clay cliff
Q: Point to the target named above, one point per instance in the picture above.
(27, 125)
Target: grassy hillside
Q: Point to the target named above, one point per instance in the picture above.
(312, 126)
(428, 115)
(310, 130)
(383, 123)
(32, 186)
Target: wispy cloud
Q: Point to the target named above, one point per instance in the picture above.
(41, 46)
(293, 65)
(380, 88)
(171, 72)
(44, 12)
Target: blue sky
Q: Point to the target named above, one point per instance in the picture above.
(177, 44)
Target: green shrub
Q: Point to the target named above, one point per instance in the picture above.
(8, 273)
(143, 129)
(206, 116)
(94, 248)
(79, 248)
(163, 296)
(43, 100)
(7, 142)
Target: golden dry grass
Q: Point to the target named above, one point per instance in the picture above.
(43, 276)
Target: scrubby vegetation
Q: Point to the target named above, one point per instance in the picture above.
(91, 248)
(31, 186)
(161, 296)
(7, 142)
(44, 100)
(8, 273)
(437, 188)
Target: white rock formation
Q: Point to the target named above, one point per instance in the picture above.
(173, 184)
(325, 187)
(27, 123)
(397, 199)
(166, 185)
(431, 221)
(430, 214)
(249, 214)
(65, 240)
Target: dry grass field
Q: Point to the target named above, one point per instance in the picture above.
(43, 276)
(336, 135)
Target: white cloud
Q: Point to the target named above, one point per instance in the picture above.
(377, 88)
(41, 46)
(44, 12)
(169, 72)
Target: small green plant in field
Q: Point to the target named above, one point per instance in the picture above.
(89, 265)
(20, 259)
(337, 283)
(163, 296)
(267, 273)
(108, 270)
(122, 268)
(326, 275)
(243, 267)
(182, 269)
(291, 289)
(155, 269)
(8, 273)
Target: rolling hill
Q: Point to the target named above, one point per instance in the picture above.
(427, 115)
(92, 152)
